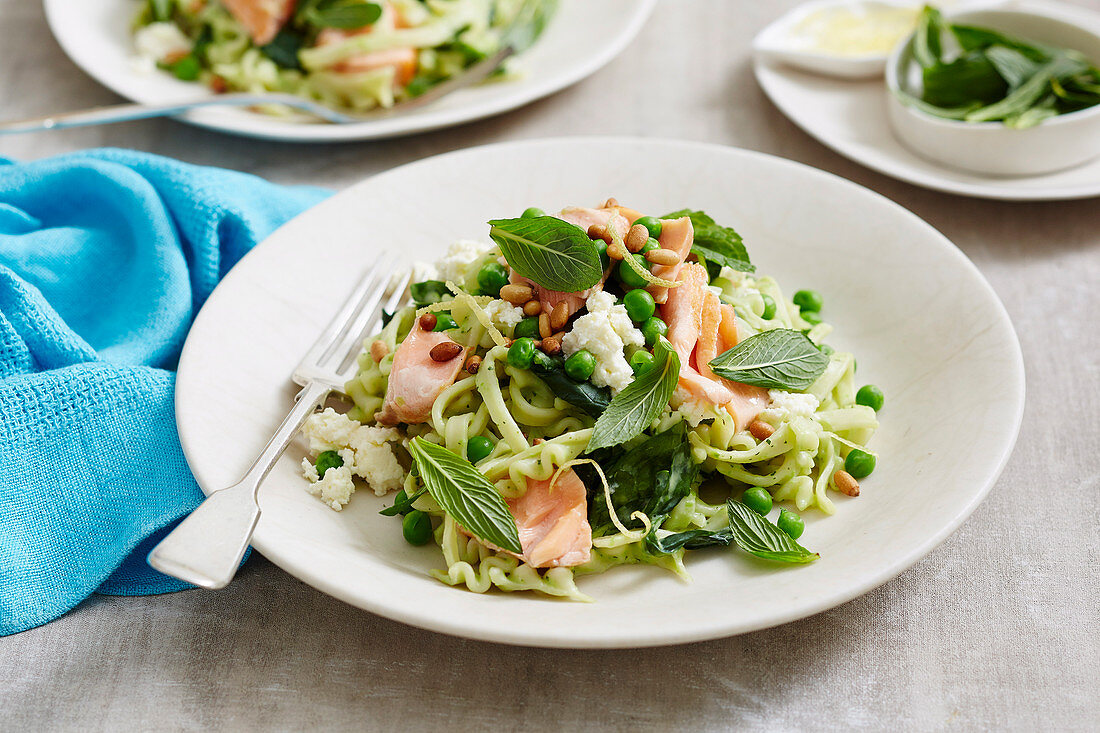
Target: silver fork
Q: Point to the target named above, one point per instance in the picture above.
(529, 21)
(207, 547)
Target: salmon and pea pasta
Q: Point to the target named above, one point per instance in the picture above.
(594, 388)
(355, 55)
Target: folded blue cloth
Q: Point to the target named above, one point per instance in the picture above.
(105, 258)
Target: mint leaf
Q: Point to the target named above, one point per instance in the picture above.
(714, 242)
(632, 410)
(467, 496)
(777, 359)
(403, 505)
(757, 536)
(554, 253)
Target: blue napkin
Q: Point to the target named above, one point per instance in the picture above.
(105, 258)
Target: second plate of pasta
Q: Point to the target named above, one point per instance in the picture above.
(692, 392)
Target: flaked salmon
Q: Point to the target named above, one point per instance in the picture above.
(699, 328)
(677, 235)
(553, 522)
(416, 379)
(263, 19)
(403, 60)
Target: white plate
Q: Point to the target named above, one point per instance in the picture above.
(923, 322)
(582, 37)
(850, 117)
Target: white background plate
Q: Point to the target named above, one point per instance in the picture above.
(922, 321)
(582, 37)
(850, 117)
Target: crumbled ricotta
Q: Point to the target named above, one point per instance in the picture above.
(786, 405)
(159, 42)
(504, 315)
(605, 331)
(365, 450)
(454, 265)
(694, 411)
(335, 489)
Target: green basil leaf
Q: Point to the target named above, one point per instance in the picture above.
(692, 539)
(345, 14)
(400, 507)
(967, 79)
(632, 410)
(283, 49)
(1014, 67)
(717, 244)
(162, 10)
(777, 359)
(1028, 93)
(928, 38)
(652, 477)
(428, 292)
(554, 253)
(467, 496)
(757, 536)
(972, 38)
(588, 397)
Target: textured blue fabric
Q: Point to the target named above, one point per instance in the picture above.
(105, 258)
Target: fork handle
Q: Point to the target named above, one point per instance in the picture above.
(135, 111)
(206, 548)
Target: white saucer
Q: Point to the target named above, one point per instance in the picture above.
(851, 118)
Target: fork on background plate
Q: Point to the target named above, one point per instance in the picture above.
(207, 547)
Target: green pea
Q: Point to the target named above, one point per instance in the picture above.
(601, 250)
(811, 317)
(417, 528)
(187, 68)
(478, 448)
(871, 396)
(579, 366)
(532, 212)
(444, 322)
(791, 523)
(758, 499)
(628, 277)
(652, 223)
(859, 463)
(492, 277)
(419, 84)
(769, 307)
(521, 353)
(650, 245)
(527, 328)
(826, 349)
(808, 301)
(639, 305)
(326, 460)
(640, 361)
(653, 329)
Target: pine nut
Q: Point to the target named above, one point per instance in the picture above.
(599, 231)
(636, 238)
(846, 483)
(378, 350)
(552, 345)
(559, 316)
(532, 308)
(662, 257)
(615, 251)
(761, 430)
(544, 325)
(473, 364)
(517, 294)
(610, 203)
(428, 321)
(445, 351)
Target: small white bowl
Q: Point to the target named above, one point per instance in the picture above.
(780, 41)
(991, 148)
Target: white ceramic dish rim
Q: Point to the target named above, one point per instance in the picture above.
(893, 64)
(523, 92)
(285, 557)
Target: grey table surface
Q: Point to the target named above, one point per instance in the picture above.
(995, 629)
